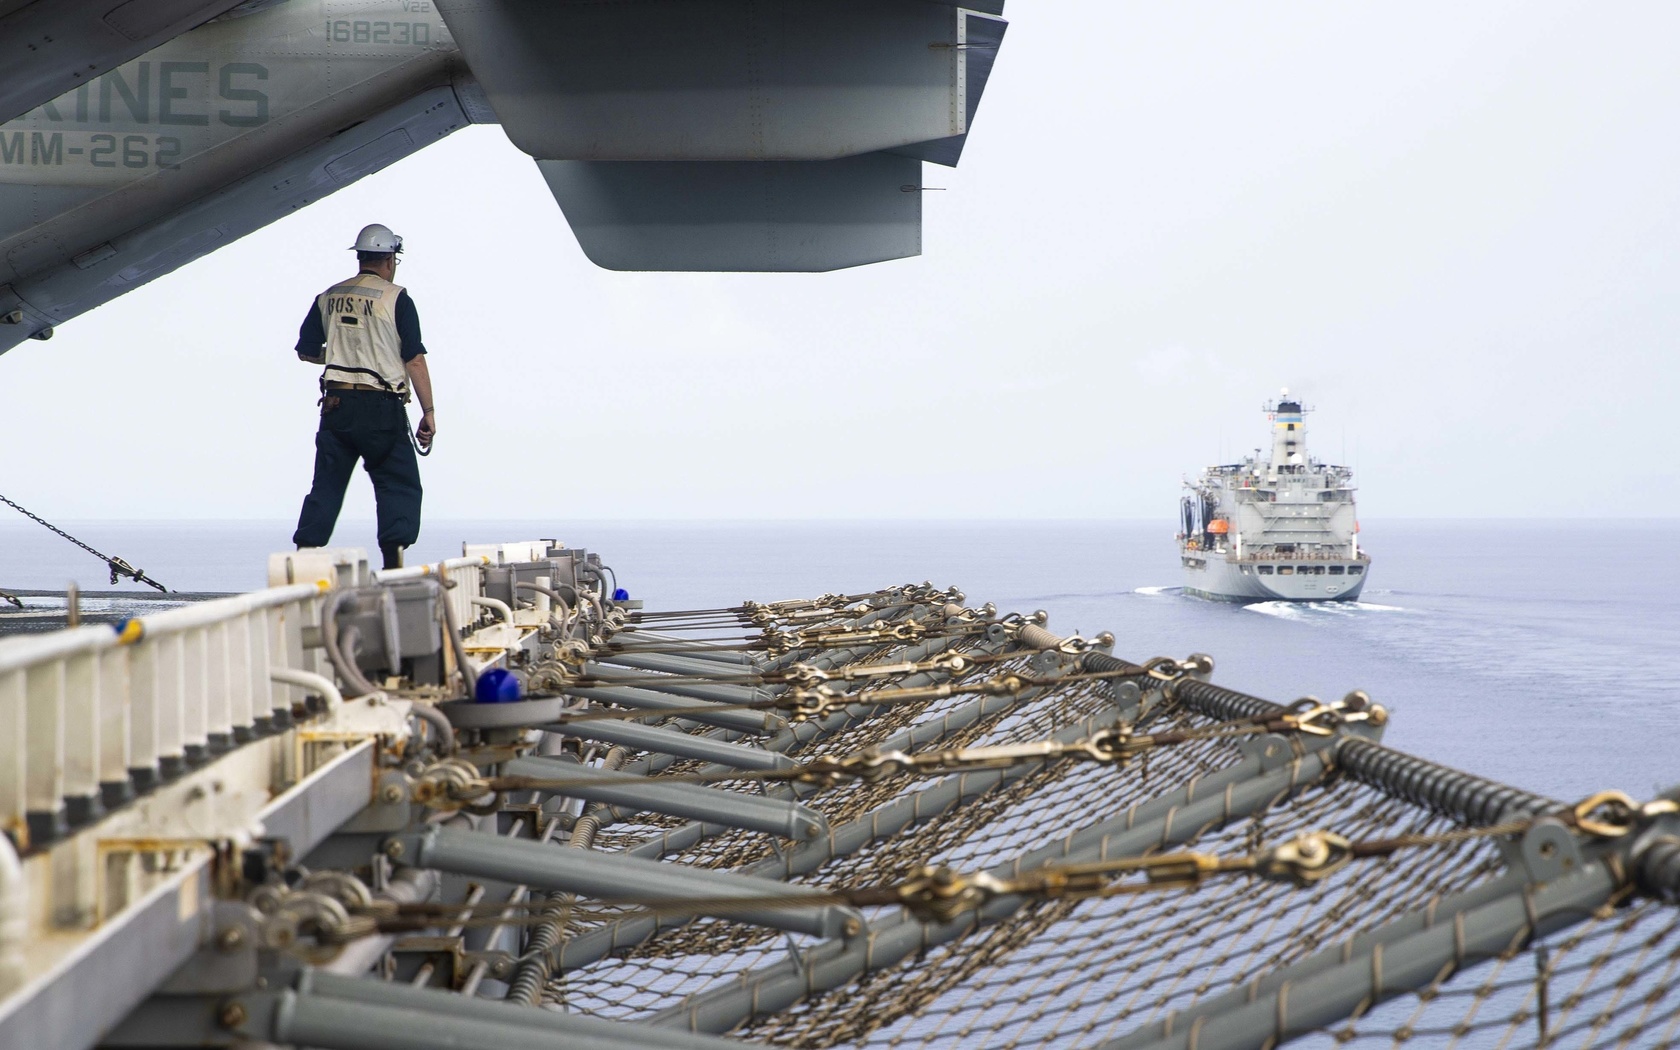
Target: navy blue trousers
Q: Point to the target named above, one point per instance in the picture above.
(370, 426)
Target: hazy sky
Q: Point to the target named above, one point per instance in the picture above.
(1453, 227)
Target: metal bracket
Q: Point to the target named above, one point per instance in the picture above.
(1270, 750)
(1049, 663)
(1125, 694)
(449, 965)
(1548, 850)
(499, 964)
(227, 960)
(392, 809)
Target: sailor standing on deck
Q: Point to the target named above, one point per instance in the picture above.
(366, 332)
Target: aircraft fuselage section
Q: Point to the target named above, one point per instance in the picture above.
(730, 135)
(149, 126)
(210, 86)
(84, 177)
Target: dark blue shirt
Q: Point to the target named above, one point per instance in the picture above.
(312, 337)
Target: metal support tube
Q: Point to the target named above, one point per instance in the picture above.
(1359, 945)
(692, 650)
(720, 692)
(439, 569)
(1657, 868)
(790, 735)
(594, 945)
(878, 825)
(906, 811)
(322, 685)
(616, 877)
(781, 984)
(344, 1024)
(640, 794)
(1387, 970)
(1113, 837)
(535, 965)
(441, 728)
(669, 664)
(1655, 855)
(761, 723)
(496, 605)
(641, 737)
(559, 1028)
(798, 733)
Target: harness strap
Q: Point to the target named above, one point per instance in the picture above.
(359, 371)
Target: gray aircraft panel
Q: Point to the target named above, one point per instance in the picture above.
(138, 156)
(715, 79)
(276, 103)
(48, 47)
(741, 215)
(195, 229)
(982, 36)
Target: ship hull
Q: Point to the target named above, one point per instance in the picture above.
(1210, 575)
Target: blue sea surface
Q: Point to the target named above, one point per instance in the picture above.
(1538, 653)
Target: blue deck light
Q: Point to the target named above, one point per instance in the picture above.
(497, 686)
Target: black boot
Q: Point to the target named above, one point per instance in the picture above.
(393, 555)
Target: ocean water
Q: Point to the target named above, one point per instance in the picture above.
(1538, 653)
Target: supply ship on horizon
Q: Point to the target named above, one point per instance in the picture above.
(1283, 529)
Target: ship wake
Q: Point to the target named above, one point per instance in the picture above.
(1315, 610)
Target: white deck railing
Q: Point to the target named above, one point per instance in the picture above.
(101, 706)
(87, 712)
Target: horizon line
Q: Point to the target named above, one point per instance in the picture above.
(20, 522)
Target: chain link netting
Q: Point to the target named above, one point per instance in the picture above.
(1610, 982)
(1082, 972)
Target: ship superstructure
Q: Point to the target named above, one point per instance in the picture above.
(1279, 528)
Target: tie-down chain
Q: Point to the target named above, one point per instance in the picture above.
(456, 783)
(939, 894)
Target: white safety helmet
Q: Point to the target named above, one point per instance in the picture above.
(377, 238)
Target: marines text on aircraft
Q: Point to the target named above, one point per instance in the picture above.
(1279, 529)
(674, 134)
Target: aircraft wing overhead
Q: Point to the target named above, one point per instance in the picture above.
(736, 80)
(674, 134)
(741, 215)
(789, 98)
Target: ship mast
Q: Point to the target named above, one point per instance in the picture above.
(1289, 434)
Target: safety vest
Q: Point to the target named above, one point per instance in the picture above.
(360, 318)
